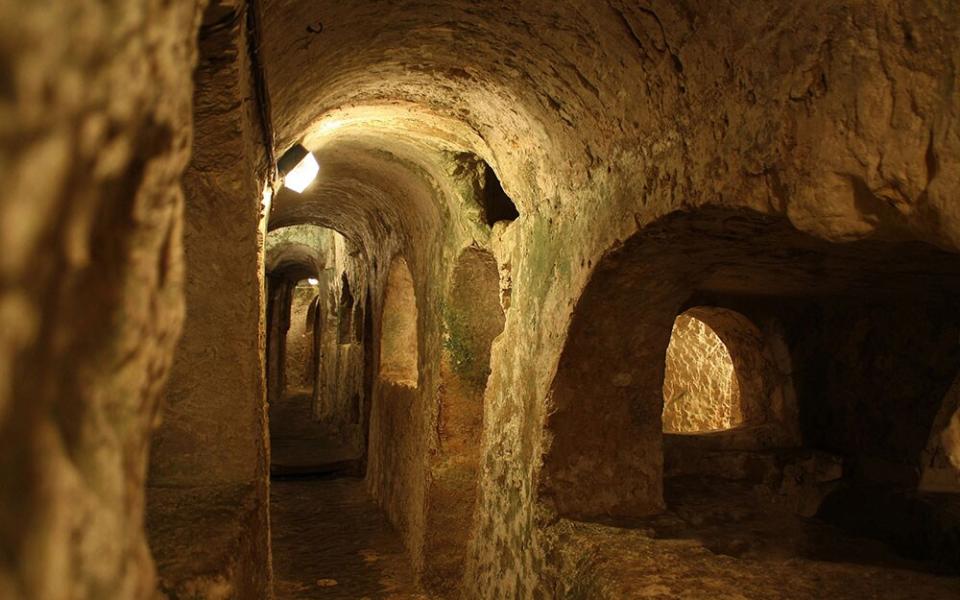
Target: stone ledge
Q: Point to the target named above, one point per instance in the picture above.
(224, 530)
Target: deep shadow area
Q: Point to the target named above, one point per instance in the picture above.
(921, 526)
(497, 205)
(744, 520)
(300, 445)
(736, 539)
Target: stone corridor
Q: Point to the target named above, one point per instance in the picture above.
(479, 299)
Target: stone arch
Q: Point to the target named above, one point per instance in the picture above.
(860, 300)
(701, 391)
(473, 318)
(399, 349)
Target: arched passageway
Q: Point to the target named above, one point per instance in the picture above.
(758, 350)
(722, 372)
(300, 352)
(512, 205)
(315, 365)
(701, 385)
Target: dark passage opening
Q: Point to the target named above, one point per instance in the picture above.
(497, 205)
(852, 348)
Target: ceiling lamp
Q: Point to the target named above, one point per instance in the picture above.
(298, 168)
(313, 281)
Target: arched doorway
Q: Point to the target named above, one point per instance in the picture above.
(829, 404)
(722, 373)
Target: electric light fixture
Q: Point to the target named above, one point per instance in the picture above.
(298, 167)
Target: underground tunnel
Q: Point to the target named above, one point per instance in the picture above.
(469, 300)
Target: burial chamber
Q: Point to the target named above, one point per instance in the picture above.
(587, 299)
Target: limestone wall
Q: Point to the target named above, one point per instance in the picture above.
(95, 129)
(300, 371)
(607, 123)
(599, 120)
(802, 111)
(700, 386)
(209, 459)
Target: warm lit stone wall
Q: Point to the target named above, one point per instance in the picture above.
(473, 318)
(404, 421)
(299, 348)
(341, 398)
(396, 471)
(700, 388)
(95, 114)
(399, 346)
(600, 118)
(207, 501)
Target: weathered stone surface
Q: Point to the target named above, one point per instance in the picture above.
(229, 561)
(332, 542)
(701, 389)
(95, 129)
(597, 561)
(399, 346)
(782, 160)
(473, 318)
(299, 370)
(600, 118)
(212, 433)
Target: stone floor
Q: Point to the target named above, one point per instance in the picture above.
(300, 445)
(724, 540)
(330, 541)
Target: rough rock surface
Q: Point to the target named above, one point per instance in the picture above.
(797, 162)
(701, 391)
(212, 435)
(95, 130)
(332, 542)
(719, 540)
(599, 119)
(299, 360)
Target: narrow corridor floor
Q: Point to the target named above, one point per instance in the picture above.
(330, 541)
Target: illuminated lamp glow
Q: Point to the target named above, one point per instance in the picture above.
(313, 281)
(298, 167)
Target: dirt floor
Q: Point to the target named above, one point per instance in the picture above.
(330, 541)
(721, 539)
